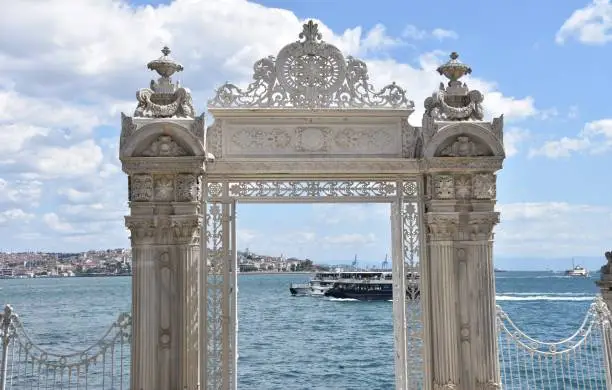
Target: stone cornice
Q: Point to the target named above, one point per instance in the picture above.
(186, 164)
(462, 164)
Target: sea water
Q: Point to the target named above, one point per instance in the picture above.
(290, 342)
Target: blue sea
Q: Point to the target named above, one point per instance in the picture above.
(290, 342)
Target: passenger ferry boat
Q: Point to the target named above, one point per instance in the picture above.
(373, 289)
(577, 270)
(321, 282)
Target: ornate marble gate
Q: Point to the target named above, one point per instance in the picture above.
(311, 128)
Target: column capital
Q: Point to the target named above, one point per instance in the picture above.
(442, 226)
(481, 225)
(186, 229)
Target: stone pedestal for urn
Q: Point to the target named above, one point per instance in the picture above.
(162, 152)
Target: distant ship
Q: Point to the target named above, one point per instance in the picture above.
(577, 270)
(499, 270)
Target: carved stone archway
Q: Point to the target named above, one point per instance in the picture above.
(311, 128)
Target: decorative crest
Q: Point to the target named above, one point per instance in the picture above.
(311, 74)
(163, 99)
(454, 102)
(311, 32)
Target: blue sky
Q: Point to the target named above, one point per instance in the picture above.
(69, 68)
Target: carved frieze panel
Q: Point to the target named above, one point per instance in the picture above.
(187, 188)
(164, 146)
(164, 188)
(140, 188)
(464, 146)
(484, 186)
(295, 140)
(444, 187)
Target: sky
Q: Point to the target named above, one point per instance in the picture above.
(68, 69)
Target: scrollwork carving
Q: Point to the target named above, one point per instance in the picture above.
(197, 127)
(309, 74)
(410, 136)
(164, 146)
(141, 188)
(128, 127)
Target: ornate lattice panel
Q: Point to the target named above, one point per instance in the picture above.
(220, 278)
(311, 191)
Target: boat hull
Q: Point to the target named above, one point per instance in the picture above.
(299, 289)
(369, 295)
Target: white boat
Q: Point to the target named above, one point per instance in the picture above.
(577, 270)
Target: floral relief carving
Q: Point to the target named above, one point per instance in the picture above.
(186, 230)
(142, 231)
(484, 186)
(187, 188)
(363, 139)
(214, 139)
(463, 186)
(444, 187)
(164, 188)
(464, 146)
(164, 146)
(141, 188)
(409, 140)
(312, 139)
(481, 225)
(442, 227)
(261, 138)
(324, 189)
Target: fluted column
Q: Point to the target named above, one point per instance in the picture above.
(480, 289)
(145, 304)
(442, 227)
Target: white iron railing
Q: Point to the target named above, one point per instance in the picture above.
(26, 365)
(580, 361)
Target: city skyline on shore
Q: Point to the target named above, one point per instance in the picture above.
(63, 86)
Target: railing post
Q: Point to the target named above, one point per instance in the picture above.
(6, 319)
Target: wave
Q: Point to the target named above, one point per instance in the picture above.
(342, 299)
(545, 297)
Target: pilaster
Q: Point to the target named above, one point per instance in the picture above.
(162, 152)
(461, 154)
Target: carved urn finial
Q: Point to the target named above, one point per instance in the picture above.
(454, 69)
(310, 32)
(164, 65)
(164, 99)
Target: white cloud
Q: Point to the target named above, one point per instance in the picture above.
(595, 137)
(589, 25)
(552, 229)
(415, 33)
(513, 137)
(350, 239)
(66, 79)
(17, 215)
(441, 34)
